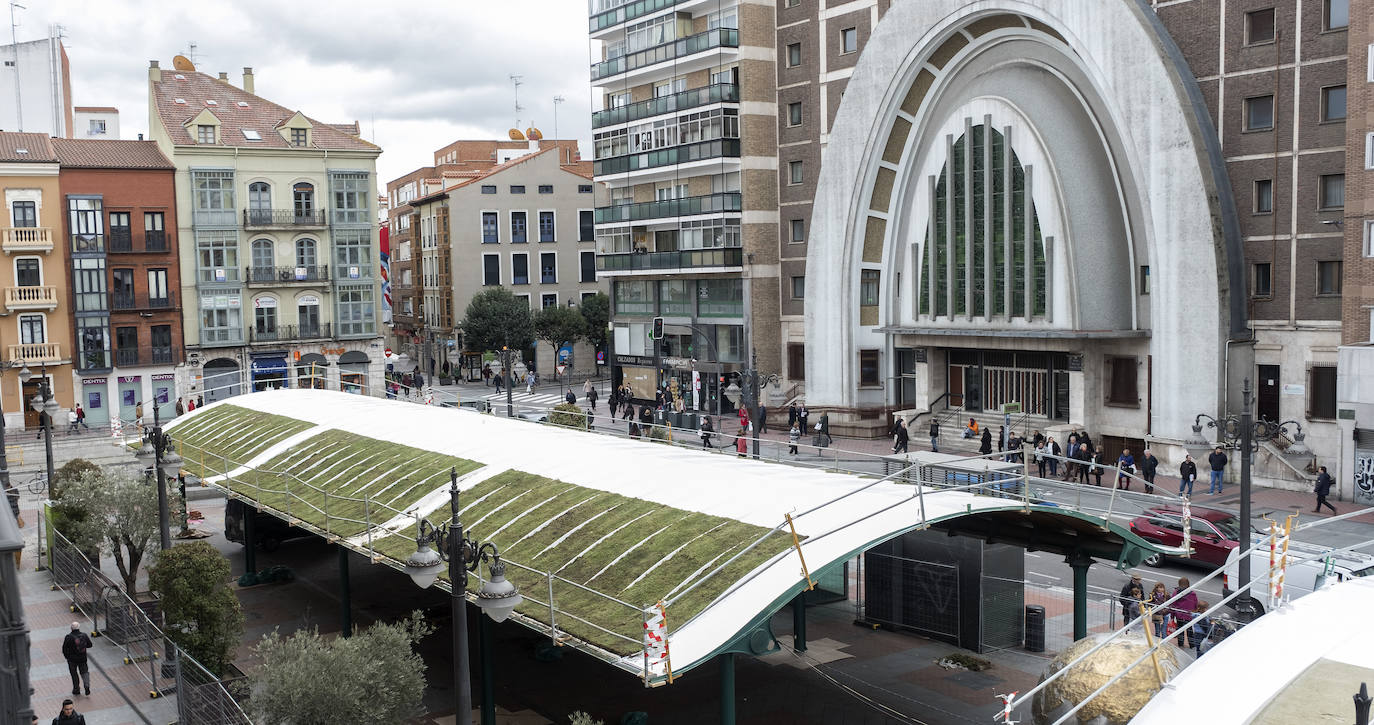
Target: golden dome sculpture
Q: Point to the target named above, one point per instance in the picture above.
(1118, 703)
(515, 135)
(533, 134)
(181, 62)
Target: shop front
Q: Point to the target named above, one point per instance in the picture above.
(164, 385)
(269, 372)
(353, 372)
(222, 379)
(95, 400)
(130, 396)
(312, 371)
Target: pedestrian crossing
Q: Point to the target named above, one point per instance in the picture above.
(547, 400)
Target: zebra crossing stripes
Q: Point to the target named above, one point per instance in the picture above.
(544, 399)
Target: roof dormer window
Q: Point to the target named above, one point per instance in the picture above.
(181, 101)
(300, 137)
(211, 102)
(205, 133)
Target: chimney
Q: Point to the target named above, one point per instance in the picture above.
(140, 137)
(224, 76)
(248, 80)
(154, 72)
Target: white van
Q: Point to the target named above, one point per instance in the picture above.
(1301, 578)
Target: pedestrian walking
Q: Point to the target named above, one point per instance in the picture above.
(611, 402)
(587, 386)
(934, 435)
(68, 715)
(793, 438)
(900, 438)
(181, 408)
(529, 385)
(569, 398)
(763, 419)
(1201, 629)
(1187, 475)
(497, 381)
(200, 401)
(743, 416)
(74, 647)
(1323, 488)
(1042, 457)
(591, 398)
(1148, 467)
(190, 406)
(486, 374)
(1083, 464)
(1217, 460)
(626, 403)
(985, 445)
(1135, 603)
(591, 418)
(707, 428)
(1070, 468)
(1097, 468)
(1001, 439)
(72, 421)
(1125, 466)
(1014, 443)
(633, 429)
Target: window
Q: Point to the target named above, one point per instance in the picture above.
(1259, 113)
(299, 137)
(1332, 191)
(214, 191)
(154, 237)
(303, 202)
(262, 258)
(1264, 196)
(1369, 142)
(849, 40)
(794, 172)
(205, 134)
(126, 341)
(1333, 103)
(220, 319)
(1144, 279)
(1369, 237)
(517, 189)
(490, 228)
(217, 256)
(793, 55)
(28, 272)
(584, 188)
(96, 127)
(1321, 392)
(546, 188)
(520, 268)
(355, 310)
(350, 197)
(587, 266)
(157, 288)
(586, 226)
(1336, 15)
(798, 231)
(548, 268)
(93, 340)
(796, 361)
(305, 255)
(265, 317)
(121, 236)
(546, 226)
(260, 203)
(161, 338)
(548, 300)
(88, 283)
(1259, 26)
(1329, 278)
(122, 289)
(1261, 280)
(308, 316)
(868, 369)
(798, 288)
(31, 330)
(87, 233)
(793, 3)
(488, 188)
(491, 269)
(1120, 385)
(868, 287)
(518, 233)
(25, 213)
(353, 254)
(794, 114)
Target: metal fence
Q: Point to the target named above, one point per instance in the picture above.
(919, 596)
(151, 661)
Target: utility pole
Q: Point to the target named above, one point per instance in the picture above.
(556, 100)
(14, 43)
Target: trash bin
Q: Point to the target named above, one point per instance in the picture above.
(1035, 628)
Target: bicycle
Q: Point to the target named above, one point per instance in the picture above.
(37, 484)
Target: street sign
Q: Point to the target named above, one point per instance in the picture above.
(561, 368)
(1008, 408)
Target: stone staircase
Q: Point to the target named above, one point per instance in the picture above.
(26, 454)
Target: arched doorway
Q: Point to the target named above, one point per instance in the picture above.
(312, 371)
(353, 372)
(221, 379)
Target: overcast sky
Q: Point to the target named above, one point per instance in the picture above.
(415, 75)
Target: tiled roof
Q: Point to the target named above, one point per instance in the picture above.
(256, 114)
(96, 109)
(109, 154)
(31, 147)
(348, 128)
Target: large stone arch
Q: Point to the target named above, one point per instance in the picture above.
(1126, 172)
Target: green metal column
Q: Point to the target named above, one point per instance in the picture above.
(345, 596)
(484, 636)
(799, 622)
(1080, 563)
(727, 688)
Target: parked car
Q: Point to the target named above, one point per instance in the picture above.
(1300, 578)
(1214, 533)
(268, 530)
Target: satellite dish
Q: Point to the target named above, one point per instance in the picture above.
(533, 134)
(181, 62)
(515, 135)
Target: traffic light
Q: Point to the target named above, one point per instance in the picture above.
(658, 328)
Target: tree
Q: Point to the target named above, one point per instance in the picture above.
(557, 325)
(373, 677)
(494, 318)
(66, 514)
(119, 515)
(202, 614)
(596, 310)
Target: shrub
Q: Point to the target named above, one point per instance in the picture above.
(568, 415)
(201, 611)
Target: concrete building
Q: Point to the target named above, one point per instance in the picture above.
(126, 312)
(36, 87)
(35, 331)
(280, 266)
(96, 122)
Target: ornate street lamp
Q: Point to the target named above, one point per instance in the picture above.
(751, 391)
(1242, 433)
(159, 453)
(46, 406)
(497, 598)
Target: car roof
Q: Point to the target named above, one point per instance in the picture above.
(1196, 512)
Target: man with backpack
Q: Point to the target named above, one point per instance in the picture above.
(74, 647)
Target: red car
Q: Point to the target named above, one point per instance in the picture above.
(1214, 533)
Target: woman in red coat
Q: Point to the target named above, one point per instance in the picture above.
(742, 442)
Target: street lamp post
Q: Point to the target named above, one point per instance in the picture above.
(46, 406)
(1244, 434)
(497, 597)
(506, 371)
(752, 393)
(157, 446)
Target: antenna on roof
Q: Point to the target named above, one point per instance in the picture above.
(556, 100)
(191, 52)
(517, 80)
(18, 104)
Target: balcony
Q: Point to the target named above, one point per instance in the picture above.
(30, 298)
(702, 150)
(627, 12)
(92, 359)
(26, 239)
(290, 333)
(122, 241)
(123, 301)
(214, 218)
(88, 244)
(36, 352)
(344, 273)
(686, 206)
(221, 337)
(286, 275)
(680, 48)
(284, 218)
(688, 259)
(718, 93)
(134, 356)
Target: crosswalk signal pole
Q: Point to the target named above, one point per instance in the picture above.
(505, 368)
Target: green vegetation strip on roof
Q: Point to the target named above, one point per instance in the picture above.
(237, 434)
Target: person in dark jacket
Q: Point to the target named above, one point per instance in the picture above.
(985, 445)
(707, 428)
(68, 715)
(1125, 598)
(791, 414)
(1084, 462)
(591, 398)
(1323, 488)
(934, 436)
(1097, 468)
(1125, 466)
(1217, 460)
(1148, 466)
(1052, 447)
(763, 419)
(569, 398)
(802, 416)
(901, 438)
(1187, 475)
(74, 647)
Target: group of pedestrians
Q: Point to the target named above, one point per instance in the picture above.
(1187, 612)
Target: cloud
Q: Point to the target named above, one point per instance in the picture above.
(416, 76)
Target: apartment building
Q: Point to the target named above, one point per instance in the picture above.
(279, 247)
(121, 226)
(36, 85)
(35, 327)
(96, 122)
(686, 143)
